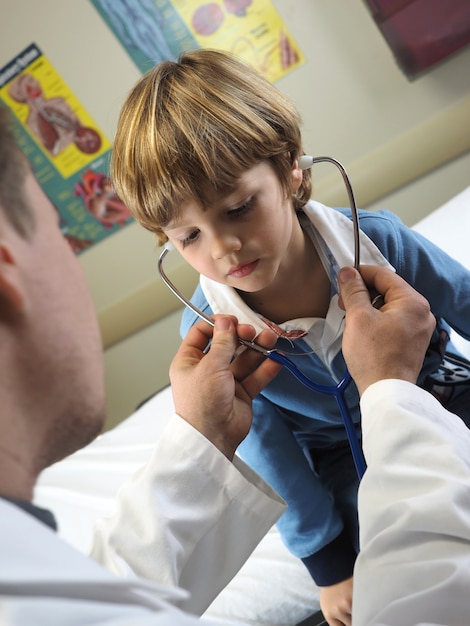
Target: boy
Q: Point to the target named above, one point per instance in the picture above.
(206, 155)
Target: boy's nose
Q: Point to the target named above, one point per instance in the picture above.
(223, 244)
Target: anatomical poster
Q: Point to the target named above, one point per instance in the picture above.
(69, 154)
(154, 30)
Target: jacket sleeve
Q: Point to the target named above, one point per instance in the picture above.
(311, 527)
(414, 511)
(442, 280)
(188, 518)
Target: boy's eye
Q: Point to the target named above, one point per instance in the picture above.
(191, 238)
(241, 210)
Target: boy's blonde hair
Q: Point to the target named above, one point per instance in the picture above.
(196, 125)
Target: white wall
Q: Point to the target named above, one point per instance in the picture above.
(352, 96)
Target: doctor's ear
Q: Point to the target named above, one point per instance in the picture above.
(296, 176)
(12, 296)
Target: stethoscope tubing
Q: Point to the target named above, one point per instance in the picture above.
(338, 392)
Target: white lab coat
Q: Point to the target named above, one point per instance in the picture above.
(189, 519)
(414, 511)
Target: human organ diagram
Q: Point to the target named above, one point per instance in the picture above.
(208, 18)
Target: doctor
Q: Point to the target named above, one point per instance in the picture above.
(52, 403)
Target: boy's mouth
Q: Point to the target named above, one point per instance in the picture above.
(240, 271)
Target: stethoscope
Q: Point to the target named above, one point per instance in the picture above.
(338, 391)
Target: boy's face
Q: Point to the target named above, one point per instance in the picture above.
(242, 239)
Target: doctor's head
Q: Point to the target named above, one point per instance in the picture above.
(51, 370)
(192, 128)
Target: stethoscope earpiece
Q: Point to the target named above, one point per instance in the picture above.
(305, 161)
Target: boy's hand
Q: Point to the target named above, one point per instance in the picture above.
(336, 603)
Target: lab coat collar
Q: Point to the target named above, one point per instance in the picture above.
(35, 561)
(43, 515)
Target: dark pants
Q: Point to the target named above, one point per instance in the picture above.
(335, 467)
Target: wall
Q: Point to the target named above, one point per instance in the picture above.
(353, 98)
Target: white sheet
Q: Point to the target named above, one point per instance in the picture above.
(449, 228)
(273, 588)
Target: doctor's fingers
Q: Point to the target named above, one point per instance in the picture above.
(352, 289)
(253, 370)
(405, 314)
(403, 305)
(355, 290)
(200, 336)
(361, 290)
(389, 342)
(246, 366)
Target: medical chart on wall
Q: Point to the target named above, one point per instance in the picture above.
(68, 152)
(154, 30)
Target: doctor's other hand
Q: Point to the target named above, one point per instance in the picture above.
(214, 391)
(389, 342)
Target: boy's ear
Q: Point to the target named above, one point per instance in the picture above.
(296, 176)
(11, 288)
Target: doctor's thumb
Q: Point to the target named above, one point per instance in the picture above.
(224, 339)
(352, 290)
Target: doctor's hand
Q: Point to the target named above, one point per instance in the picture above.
(387, 343)
(211, 390)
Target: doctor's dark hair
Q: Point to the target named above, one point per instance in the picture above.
(13, 170)
(194, 126)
